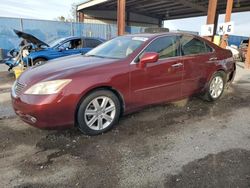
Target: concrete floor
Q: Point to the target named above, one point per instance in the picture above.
(197, 145)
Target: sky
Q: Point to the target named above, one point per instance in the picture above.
(51, 9)
(36, 9)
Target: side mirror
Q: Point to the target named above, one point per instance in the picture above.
(148, 57)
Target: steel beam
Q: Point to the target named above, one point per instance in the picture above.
(121, 12)
(195, 6)
(229, 9)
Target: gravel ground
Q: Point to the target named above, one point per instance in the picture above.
(187, 144)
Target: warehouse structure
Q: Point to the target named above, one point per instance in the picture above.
(152, 13)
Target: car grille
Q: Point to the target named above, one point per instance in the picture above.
(19, 88)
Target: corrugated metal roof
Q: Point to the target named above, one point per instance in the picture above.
(165, 9)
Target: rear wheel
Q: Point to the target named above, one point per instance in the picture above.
(98, 112)
(216, 87)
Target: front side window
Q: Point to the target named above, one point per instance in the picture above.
(192, 46)
(166, 47)
(72, 44)
(66, 45)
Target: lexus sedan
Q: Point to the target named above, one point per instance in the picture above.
(121, 76)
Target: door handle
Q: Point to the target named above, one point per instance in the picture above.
(213, 58)
(177, 65)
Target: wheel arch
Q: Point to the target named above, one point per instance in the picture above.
(210, 77)
(41, 57)
(109, 88)
(31, 59)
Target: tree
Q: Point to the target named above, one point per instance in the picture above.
(72, 17)
(61, 18)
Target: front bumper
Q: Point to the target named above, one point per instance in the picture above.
(46, 112)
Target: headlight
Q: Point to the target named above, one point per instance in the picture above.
(47, 87)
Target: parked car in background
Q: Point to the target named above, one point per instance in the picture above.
(121, 76)
(235, 51)
(34, 50)
(243, 49)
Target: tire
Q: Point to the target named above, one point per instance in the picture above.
(215, 90)
(98, 112)
(38, 61)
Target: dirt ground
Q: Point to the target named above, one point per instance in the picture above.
(199, 144)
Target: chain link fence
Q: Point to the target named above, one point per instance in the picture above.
(51, 30)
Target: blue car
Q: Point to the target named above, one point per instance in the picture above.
(33, 51)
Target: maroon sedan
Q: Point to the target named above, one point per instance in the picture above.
(123, 75)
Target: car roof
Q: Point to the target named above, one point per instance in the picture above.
(154, 35)
(75, 37)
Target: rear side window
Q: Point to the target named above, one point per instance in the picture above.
(192, 46)
(165, 46)
(209, 48)
(92, 43)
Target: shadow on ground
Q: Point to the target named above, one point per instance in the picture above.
(226, 169)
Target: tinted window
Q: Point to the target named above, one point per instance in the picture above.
(165, 46)
(92, 43)
(72, 44)
(191, 46)
(209, 49)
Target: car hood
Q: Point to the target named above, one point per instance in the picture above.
(30, 38)
(61, 68)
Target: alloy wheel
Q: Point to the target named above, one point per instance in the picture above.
(100, 113)
(216, 87)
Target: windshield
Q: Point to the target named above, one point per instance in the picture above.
(55, 42)
(118, 48)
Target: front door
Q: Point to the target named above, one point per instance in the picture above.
(72, 47)
(160, 81)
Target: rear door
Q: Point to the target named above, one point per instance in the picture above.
(197, 57)
(160, 81)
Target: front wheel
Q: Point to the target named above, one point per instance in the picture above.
(98, 112)
(215, 87)
(38, 61)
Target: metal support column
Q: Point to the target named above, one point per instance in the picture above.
(211, 15)
(227, 19)
(80, 17)
(121, 11)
